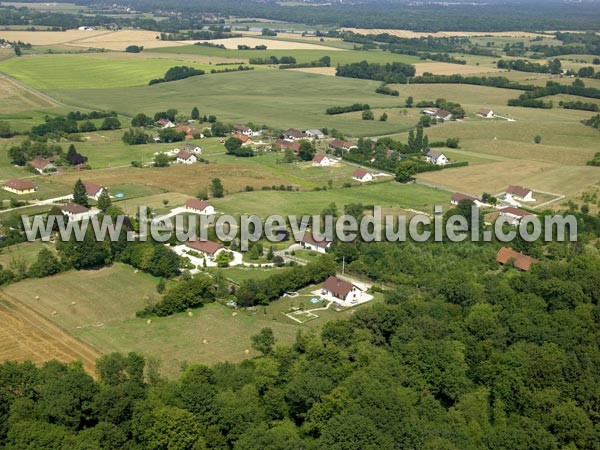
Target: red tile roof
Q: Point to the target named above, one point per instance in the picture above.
(241, 137)
(184, 154)
(19, 185)
(359, 173)
(337, 287)
(457, 197)
(309, 238)
(286, 145)
(194, 203)
(519, 191)
(208, 247)
(74, 208)
(515, 211)
(319, 157)
(521, 261)
(91, 188)
(39, 163)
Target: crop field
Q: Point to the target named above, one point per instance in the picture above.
(416, 34)
(80, 72)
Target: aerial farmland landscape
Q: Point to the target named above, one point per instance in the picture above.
(180, 182)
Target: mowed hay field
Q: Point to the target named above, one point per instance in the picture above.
(46, 72)
(440, 68)
(15, 98)
(99, 306)
(278, 98)
(181, 178)
(272, 44)
(25, 336)
(388, 195)
(89, 298)
(417, 34)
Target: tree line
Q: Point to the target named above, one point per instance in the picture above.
(395, 72)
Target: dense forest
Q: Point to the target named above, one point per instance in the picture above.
(462, 355)
(490, 16)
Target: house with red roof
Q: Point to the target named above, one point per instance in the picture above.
(77, 212)
(338, 144)
(322, 160)
(207, 248)
(514, 215)
(341, 290)
(93, 190)
(195, 206)
(19, 187)
(519, 260)
(457, 197)
(519, 193)
(311, 242)
(362, 175)
(42, 165)
(185, 157)
(242, 137)
(282, 144)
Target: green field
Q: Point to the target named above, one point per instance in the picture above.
(302, 56)
(274, 97)
(386, 195)
(26, 251)
(88, 72)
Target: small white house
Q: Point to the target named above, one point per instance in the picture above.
(242, 129)
(362, 175)
(519, 193)
(486, 113)
(76, 212)
(195, 206)
(293, 135)
(437, 158)
(93, 190)
(310, 242)
(185, 157)
(437, 113)
(165, 123)
(514, 215)
(322, 160)
(457, 197)
(341, 290)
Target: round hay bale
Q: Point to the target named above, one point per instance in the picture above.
(247, 352)
(73, 303)
(190, 314)
(54, 313)
(234, 314)
(205, 341)
(149, 321)
(37, 297)
(135, 271)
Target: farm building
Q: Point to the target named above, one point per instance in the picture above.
(42, 165)
(341, 290)
(93, 190)
(322, 160)
(338, 144)
(185, 157)
(193, 205)
(519, 193)
(514, 215)
(520, 261)
(287, 145)
(486, 112)
(189, 132)
(437, 113)
(437, 158)
(293, 135)
(20, 187)
(310, 242)
(362, 175)
(314, 134)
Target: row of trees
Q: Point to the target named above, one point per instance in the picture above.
(177, 73)
(554, 66)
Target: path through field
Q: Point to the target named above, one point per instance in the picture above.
(25, 335)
